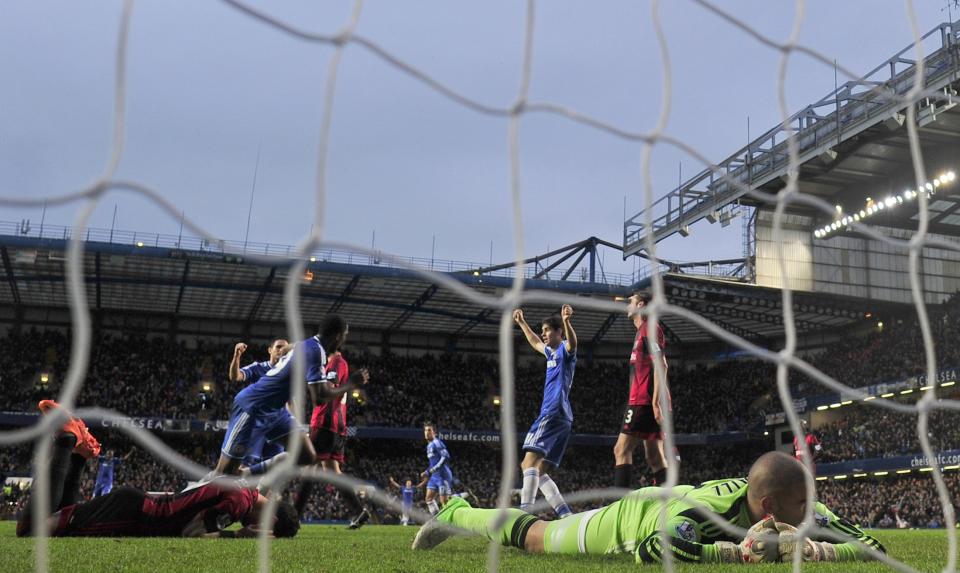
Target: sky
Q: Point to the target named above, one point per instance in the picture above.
(210, 88)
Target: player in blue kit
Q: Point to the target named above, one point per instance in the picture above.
(439, 475)
(108, 463)
(259, 448)
(548, 436)
(263, 403)
(407, 492)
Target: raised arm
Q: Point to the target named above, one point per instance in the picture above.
(235, 374)
(532, 337)
(565, 314)
(393, 483)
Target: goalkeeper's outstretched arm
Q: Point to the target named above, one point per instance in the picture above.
(847, 551)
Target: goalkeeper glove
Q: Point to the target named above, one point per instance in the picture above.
(790, 543)
(760, 545)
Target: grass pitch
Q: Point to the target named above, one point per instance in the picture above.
(321, 548)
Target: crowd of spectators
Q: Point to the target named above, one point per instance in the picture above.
(863, 432)
(159, 377)
(899, 501)
(156, 377)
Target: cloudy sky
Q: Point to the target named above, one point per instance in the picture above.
(209, 87)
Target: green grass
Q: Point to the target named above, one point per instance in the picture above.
(379, 548)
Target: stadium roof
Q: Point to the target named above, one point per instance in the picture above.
(852, 143)
(139, 279)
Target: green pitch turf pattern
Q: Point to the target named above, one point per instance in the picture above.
(380, 548)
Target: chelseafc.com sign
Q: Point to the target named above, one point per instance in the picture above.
(945, 459)
(469, 437)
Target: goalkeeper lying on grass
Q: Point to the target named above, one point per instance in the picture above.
(771, 499)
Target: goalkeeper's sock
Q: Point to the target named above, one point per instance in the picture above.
(432, 507)
(531, 482)
(59, 467)
(513, 533)
(621, 475)
(263, 467)
(71, 486)
(552, 493)
(660, 477)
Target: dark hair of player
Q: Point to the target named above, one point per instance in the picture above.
(331, 330)
(429, 424)
(644, 295)
(553, 321)
(288, 520)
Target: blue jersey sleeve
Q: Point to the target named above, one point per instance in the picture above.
(251, 372)
(316, 362)
(441, 450)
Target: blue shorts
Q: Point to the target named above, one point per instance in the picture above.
(244, 427)
(102, 488)
(260, 448)
(441, 482)
(548, 436)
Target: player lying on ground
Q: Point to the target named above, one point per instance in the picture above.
(548, 436)
(772, 497)
(128, 512)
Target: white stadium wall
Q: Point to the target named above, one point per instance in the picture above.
(852, 265)
(797, 252)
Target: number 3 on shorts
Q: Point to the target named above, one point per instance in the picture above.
(629, 416)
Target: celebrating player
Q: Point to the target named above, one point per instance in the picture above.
(643, 416)
(439, 475)
(407, 491)
(128, 512)
(548, 436)
(328, 423)
(253, 371)
(774, 489)
(259, 448)
(104, 481)
(813, 443)
(264, 402)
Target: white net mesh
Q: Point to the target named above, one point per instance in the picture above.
(89, 196)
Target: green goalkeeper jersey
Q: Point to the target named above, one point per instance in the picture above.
(632, 525)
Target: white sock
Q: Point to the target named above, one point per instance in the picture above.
(552, 493)
(531, 481)
(265, 465)
(433, 507)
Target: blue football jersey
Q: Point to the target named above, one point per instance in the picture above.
(255, 370)
(438, 456)
(105, 472)
(556, 388)
(272, 390)
(408, 494)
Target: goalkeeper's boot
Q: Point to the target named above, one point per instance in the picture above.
(439, 529)
(87, 446)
